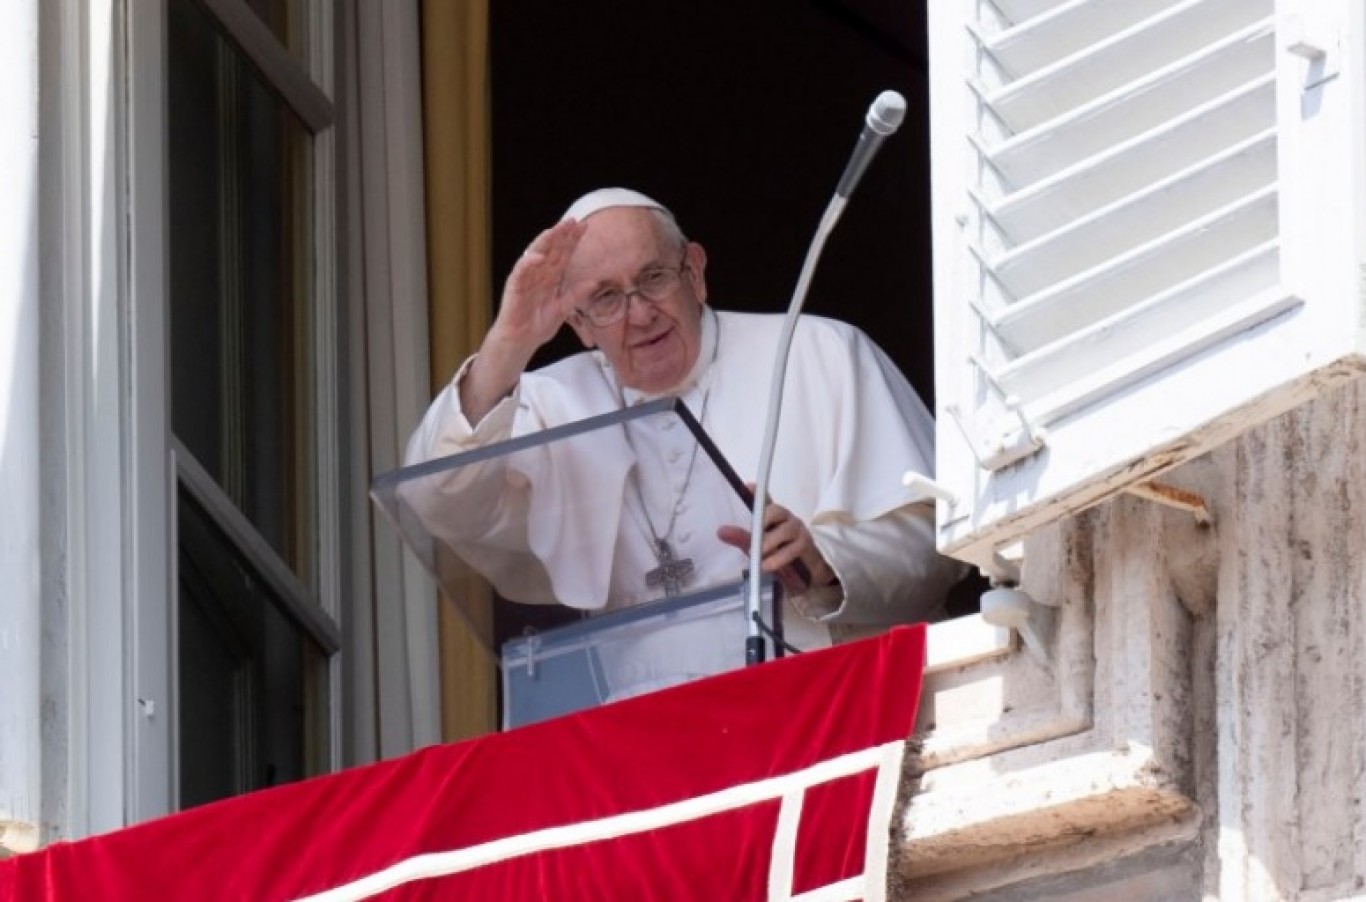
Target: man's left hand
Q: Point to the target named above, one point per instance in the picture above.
(786, 541)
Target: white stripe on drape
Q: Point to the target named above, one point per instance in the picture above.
(444, 864)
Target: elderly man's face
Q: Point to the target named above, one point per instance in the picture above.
(653, 347)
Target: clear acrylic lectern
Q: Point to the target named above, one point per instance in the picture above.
(615, 516)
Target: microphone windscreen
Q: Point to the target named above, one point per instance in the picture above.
(886, 113)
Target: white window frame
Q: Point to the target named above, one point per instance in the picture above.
(317, 612)
(107, 376)
(23, 642)
(108, 58)
(108, 535)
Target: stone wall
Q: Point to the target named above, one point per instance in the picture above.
(1196, 728)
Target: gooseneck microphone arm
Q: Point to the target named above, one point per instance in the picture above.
(884, 117)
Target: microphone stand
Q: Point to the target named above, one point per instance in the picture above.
(754, 640)
(884, 117)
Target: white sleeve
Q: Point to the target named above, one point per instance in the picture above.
(479, 511)
(863, 426)
(445, 430)
(888, 569)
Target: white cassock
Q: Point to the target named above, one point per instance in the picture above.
(851, 427)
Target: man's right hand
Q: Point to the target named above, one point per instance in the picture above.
(533, 308)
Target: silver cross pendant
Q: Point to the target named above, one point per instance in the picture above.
(671, 573)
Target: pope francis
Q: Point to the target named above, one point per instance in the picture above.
(618, 270)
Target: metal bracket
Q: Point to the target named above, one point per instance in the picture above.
(533, 645)
(1011, 446)
(1317, 43)
(1004, 451)
(1171, 496)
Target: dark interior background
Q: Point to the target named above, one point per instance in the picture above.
(739, 116)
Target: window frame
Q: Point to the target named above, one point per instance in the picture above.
(121, 476)
(304, 86)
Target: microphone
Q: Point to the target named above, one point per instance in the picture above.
(884, 118)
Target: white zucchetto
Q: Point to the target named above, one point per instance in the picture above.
(604, 198)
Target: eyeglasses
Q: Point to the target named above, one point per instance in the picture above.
(654, 285)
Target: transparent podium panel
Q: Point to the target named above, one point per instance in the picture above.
(603, 516)
(627, 653)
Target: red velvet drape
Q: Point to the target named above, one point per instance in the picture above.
(517, 803)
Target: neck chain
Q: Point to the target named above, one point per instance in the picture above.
(672, 571)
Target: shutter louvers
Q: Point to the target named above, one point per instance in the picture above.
(1109, 183)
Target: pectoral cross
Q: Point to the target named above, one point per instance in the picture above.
(670, 573)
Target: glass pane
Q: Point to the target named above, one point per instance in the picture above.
(240, 274)
(615, 516)
(503, 513)
(628, 653)
(252, 685)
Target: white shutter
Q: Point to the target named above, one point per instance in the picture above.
(1147, 230)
